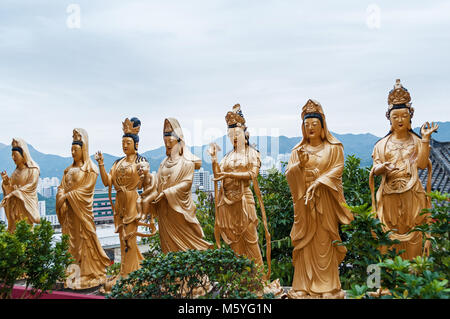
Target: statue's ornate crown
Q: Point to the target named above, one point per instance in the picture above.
(15, 143)
(235, 117)
(76, 136)
(310, 107)
(127, 127)
(399, 95)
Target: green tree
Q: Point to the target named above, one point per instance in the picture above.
(30, 254)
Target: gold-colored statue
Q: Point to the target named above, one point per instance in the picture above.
(20, 190)
(179, 229)
(314, 174)
(125, 178)
(397, 158)
(236, 219)
(74, 202)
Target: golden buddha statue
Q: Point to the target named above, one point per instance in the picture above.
(314, 174)
(179, 229)
(125, 178)
(20, 190)
(397, 158)
(74, 203)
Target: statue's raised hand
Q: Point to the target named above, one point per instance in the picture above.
(212, 150)
(5, 177)
(426, 130)
(99, 157)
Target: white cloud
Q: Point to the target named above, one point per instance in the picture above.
(194, 59)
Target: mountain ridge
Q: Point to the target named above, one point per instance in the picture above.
(360, 145)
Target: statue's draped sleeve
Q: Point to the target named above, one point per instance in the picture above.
(178, 194)
(328, 198)
(27, 194)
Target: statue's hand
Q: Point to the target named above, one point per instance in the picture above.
(212, 151)
(159, 197)
(303, 156)
(389, 167)
(5, 177)
(426, 130)
(99, 157)
(310, 192)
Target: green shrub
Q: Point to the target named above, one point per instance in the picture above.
(218, 271)
(413, 279)
(438, 230)
(30, 254)
(363, 238)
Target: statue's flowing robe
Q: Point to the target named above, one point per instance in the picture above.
(316, 225)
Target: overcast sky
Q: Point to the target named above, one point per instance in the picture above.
(193, 60)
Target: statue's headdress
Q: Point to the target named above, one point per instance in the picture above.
(312, 109)
(131, 129)
(21, 146)
(81, 138)
(399, 98)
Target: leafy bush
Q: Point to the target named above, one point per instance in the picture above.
(422, 277)
(413, 279)
(213, 273)
(205, 214)
(363, 239)
(29, 253)
(280, 217)
(438, 230)
(355, 182)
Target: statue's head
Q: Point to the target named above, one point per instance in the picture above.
(17, 153)
(237, 131)
(143, 168)
(77, 146)
(399, 112)
(130, 139)
(313, 120)
(171, 139)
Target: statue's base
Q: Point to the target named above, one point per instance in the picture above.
(292, 294)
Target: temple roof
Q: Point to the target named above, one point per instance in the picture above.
(440, 159)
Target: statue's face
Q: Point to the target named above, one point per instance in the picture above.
(77, 152)
(400, 119)
(313, 128)
(169, 141)
(236, 136)
(17, 158)
(142, 169)
(128, 146)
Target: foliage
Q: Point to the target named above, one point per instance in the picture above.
(205, 214)
(12, 258)
(280, 217)
(29, 253)
(355, 182)
(413, 279)
(422, 277)
(364, 237)
(438, 230)
(113, 270)
(216, 272)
